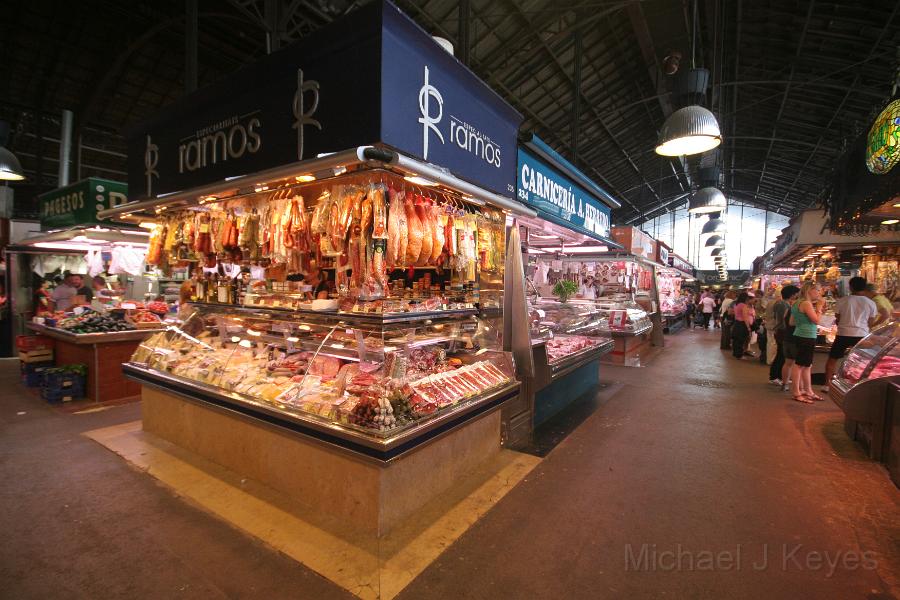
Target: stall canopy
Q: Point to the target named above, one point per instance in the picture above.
(679, 264)
(561, 194)
(811, 229)
(373, 78)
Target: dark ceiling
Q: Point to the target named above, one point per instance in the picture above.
(791, 80)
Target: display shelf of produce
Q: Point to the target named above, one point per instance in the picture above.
(565, 365)
(93, 338)
(344, 436)
(331, 315)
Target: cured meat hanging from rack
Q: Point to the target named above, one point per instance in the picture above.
(415, 232)
(379, 218)
(427, 237)
(396, 230)
(437, 233)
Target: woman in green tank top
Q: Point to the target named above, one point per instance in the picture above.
(805, 314)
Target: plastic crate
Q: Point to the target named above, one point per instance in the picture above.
(33, 372)
(28, 343)
(64, 395)
(62, 381)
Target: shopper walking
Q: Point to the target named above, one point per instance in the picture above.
(727, 314)
(854, 314)
(771, 300)
(740, 329)
(776, 314)
(707, 305)
(717, 312)
(805, 316)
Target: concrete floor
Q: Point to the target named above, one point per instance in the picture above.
(693, 455)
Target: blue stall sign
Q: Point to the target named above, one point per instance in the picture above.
(558, 199)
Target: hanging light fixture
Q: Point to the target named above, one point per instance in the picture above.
(10, 167)
(716, 241)
(689, 130)
(707, 200)
(713, 226)
(717, 251)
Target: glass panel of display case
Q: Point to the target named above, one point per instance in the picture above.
(566, 327)
(372, 376)
(877, 355)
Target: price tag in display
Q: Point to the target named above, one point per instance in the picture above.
(617, 319)
(129, 305)
(78, 310)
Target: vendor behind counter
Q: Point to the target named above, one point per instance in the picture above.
(70, 292)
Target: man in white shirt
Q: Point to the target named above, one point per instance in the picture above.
(708, 305)
(63, 295)
(854, 315)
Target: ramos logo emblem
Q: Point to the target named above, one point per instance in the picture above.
(302, 113)
(426, 93)
(151, 159)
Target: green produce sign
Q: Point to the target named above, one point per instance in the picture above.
(77, 204)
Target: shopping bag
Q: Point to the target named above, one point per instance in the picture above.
(753, 337)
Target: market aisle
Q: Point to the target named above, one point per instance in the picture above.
(695, 450)
(79, 522)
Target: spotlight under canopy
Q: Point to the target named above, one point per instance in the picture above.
(689, 130)
(707, 200)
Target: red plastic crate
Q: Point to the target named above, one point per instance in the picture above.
(27, 343)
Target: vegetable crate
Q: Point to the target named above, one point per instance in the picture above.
(34, 348)
(33, 372)
(63, 384)
(29, 343)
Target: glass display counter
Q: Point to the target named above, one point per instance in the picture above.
(372, 385)
(865, 388)
(568, 339)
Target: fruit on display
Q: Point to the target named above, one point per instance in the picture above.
(144, 316)
(157, 306)
(93, 323)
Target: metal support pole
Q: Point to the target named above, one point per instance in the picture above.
(463, 32)
(191, 36)
(273, 26)
(78, 149)
(65, 147)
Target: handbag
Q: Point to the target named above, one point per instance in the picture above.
(753, 338)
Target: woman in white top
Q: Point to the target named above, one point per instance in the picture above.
(587, 290)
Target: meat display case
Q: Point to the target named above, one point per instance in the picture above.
(371, 384)
(567, 339)
(863, 387)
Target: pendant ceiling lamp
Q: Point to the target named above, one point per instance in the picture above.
(716, 241)
(689, 130)
(707, 200)
(717, 252)
(10, 167)
(713, 226)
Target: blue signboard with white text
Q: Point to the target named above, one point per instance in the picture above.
(558, 199)
(436, 109)
(372, 77)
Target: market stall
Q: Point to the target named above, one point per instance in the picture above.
(567, 332)
(347, 300)
(866, 389)
(673, 296)
(807, 246)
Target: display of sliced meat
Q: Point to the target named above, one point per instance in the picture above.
(423, 212)
(326, 367)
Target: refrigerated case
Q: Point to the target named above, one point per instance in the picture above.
(672, 302)
(375, 385)
(863, 389)
(567, 339)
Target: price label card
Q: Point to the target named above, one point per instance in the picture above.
(78, 310)
(617, 319)
(129, 305)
